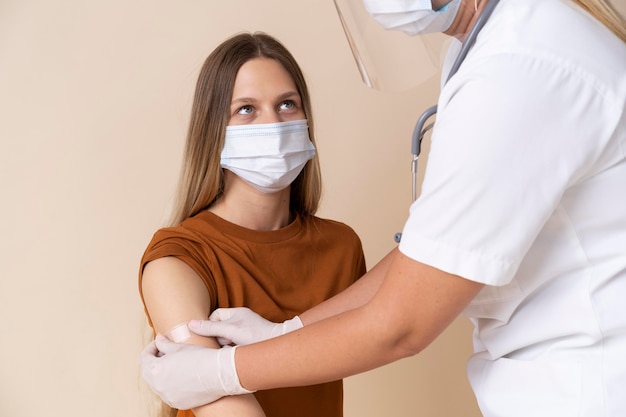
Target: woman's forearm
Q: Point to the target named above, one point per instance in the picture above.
(241, 405)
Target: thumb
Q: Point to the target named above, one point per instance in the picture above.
(164, 345)
(201, 327)
(210, 328)
(149, 358)
(220, 314)
(223, 314)
(148, 353)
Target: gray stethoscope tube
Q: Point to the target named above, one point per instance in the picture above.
(420, 127)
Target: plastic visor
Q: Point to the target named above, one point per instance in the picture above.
(388, 60)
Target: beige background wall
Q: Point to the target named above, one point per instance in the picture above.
(94, 98)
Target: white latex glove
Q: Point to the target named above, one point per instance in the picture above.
(187, 376)
(241, 326)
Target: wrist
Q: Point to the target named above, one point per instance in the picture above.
(227, 371)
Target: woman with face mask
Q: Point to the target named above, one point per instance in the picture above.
(243, 231)
(520, 226)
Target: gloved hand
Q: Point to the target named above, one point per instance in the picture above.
(241, 326)
(187, 376)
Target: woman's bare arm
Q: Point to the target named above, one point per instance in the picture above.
(173, 293)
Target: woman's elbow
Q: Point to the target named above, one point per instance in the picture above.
(402, 340)
(410, 344)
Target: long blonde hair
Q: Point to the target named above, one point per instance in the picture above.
(201, 181)
(606, 14)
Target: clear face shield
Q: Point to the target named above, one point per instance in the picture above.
(388, 59)
(400, 45)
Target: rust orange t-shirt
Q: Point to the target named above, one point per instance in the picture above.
(279, 274)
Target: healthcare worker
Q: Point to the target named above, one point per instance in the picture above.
(520, 226)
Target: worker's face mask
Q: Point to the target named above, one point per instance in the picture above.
(267, 156)
(414, 17)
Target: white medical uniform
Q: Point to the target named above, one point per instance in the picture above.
(525, 191)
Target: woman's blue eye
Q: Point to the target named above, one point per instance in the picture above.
(245, 110)
(287, 105)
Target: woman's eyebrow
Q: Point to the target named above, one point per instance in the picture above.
(288, 94)
(242, 100)
(247, 100)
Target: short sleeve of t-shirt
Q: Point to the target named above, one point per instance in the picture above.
(186, 246)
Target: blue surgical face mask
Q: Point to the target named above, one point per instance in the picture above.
(267, 156)
(414, 17)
